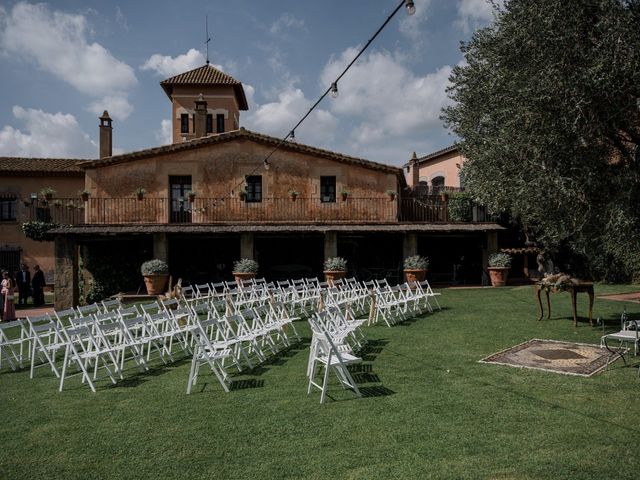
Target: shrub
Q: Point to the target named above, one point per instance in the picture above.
(38, 231)
(335, 264)
(500, 260)
(460, 207)
(416, 262)
(154, 267)
(245, 265)
(47, 191)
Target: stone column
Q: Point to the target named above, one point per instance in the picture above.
(66, 272)
(246, 245)
(330, 245)
(492, 247)
(161, 247)
(409, 244)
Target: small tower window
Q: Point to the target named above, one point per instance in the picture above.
(209, 123)
(220, 123)
(184, 123)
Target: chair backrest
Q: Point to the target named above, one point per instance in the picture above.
(90, 309)
(63, 316)
(110, 305)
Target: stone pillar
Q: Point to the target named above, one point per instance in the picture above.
(492, 247)
(161, 247)
(330, 245)
(85, 275)
(66, 272)
(106, 133)
(409, 245)
(246, 245)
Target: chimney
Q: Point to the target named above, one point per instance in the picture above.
(105, 135)
(200, 127)
(414, 171)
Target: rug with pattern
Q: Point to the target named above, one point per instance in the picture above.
(553, 356)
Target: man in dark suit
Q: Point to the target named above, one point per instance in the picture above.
(37, 283)
(23, 281)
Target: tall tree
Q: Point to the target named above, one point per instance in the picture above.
(547, 110)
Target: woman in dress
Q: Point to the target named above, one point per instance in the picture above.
(7, 292)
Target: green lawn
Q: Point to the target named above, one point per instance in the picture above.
(431, 410)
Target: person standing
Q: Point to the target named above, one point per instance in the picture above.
(7, 292)
(37, 285)
(23, 280)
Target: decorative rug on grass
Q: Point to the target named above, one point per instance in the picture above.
(553, 356)
(622, 297)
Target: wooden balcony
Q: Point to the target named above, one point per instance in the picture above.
(153, 210)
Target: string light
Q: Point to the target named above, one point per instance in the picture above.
(333, 89)
(292, 136)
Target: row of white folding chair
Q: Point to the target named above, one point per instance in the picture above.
(15, 344)
(328, 353)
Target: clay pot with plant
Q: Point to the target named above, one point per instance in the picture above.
(84, 195)
(191, 196)
(245, 269)
(335, 268)
(415, 268)
(156, 274)
(293, 194)
(140, 193)
(47, 193)
(392, 195)
(499, 265)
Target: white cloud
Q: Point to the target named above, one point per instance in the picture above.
(278, 117)
(412, 26)
(249, 92)
(474, 13)
(286, 21)
(168, 66)
(46, 135)
(119, 108)
(165, 134)
(56, 42)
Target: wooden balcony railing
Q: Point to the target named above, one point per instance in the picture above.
(151, 210)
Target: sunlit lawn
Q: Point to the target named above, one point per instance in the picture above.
(431, 410)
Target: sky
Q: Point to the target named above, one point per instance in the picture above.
(64, 62)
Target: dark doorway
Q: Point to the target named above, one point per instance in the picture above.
(179, 187)
(453, 259)
(372, 255)
(203, 259)
(290, 257)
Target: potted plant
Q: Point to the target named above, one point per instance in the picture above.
(156, 274)
(293, 194)
(335, 268)
(415, 268)
(47, 193)
(191, 196)
(244, 269)
(499, 264)
(140, 193)
(57, 203)
(84, 194)
(392, 195)
(71, 204)
(242, 194)
(345, 194)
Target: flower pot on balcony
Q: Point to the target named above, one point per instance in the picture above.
(156, 283)
(85, 196)
(331, 275)
(242, 277)
(498, 276)
(139, 196)
(415, 275)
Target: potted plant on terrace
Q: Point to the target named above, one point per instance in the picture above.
(499, 264)
(345, 194)
(392, 195)
(293, 194)
(191, 196)
(415, 268)
(242, 194)
(140, 193)
(156, 274)
(245, 269)
(335, 268)
(84, 194)
(47, 193)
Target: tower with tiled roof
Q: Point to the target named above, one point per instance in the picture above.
(218, 94)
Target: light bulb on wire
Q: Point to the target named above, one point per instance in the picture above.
(334, 90)
(411, 8)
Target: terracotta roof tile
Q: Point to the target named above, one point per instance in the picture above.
(431, 156)
(205, 75)
(241, 134)
(41, 166)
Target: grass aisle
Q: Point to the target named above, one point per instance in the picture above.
(431, 411)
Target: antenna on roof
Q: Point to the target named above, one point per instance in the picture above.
(206, 42)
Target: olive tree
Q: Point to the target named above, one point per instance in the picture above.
(546, 106)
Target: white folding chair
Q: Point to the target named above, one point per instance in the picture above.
(14, 344)
(210, 353)
(47, 340)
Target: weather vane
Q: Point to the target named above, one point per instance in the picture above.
(206, 42)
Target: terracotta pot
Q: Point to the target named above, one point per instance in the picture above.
(140, 196)
(293, 198)
(415, 275)
(242, 277)
(498, 276)
(392, 198)
(85, 197)
(345, 196)
(156, 284)
(192, 198)
(331, 275)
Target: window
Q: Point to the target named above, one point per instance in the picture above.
(437, 184)
(8, 209)
(254, 188)
(209, 123)
(179, 186)
(327, 189)
(220, 123)
(184, 123)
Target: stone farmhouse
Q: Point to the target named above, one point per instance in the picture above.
(220, 192)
